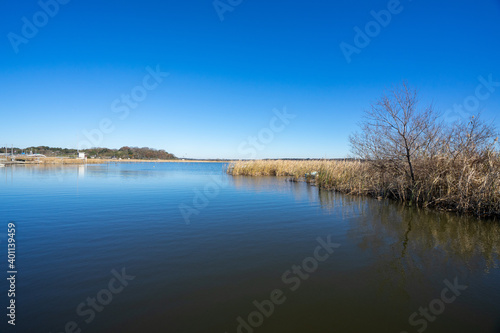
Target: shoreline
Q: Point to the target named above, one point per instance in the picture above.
(478, 197)
(73, 161)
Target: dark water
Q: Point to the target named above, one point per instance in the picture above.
(241, 244)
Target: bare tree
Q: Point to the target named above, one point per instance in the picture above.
(418, 159)
(472, 138)
(395, 131)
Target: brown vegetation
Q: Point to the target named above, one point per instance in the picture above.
(463, 185)
(406, 154)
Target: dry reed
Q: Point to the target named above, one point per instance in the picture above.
(461, 184)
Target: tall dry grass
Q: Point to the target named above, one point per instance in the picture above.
(274, 167)
(462, 184)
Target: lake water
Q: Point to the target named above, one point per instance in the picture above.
(183, 247)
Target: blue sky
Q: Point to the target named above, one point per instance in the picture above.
(227, 76)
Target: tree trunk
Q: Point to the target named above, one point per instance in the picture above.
(412, 175)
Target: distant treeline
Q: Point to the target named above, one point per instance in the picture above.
(126, 152)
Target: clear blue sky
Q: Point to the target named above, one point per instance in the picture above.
(226, 77)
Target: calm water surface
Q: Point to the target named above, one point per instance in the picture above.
(203, 252)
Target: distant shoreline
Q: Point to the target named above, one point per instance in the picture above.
(74, 161)
(34, 160)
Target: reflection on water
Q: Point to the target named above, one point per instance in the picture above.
(82, 221)
(414, 228)
(300, 190)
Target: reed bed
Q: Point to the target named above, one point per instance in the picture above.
(274, 168)
(461, 184)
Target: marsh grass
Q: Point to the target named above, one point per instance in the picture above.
(469, 185)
